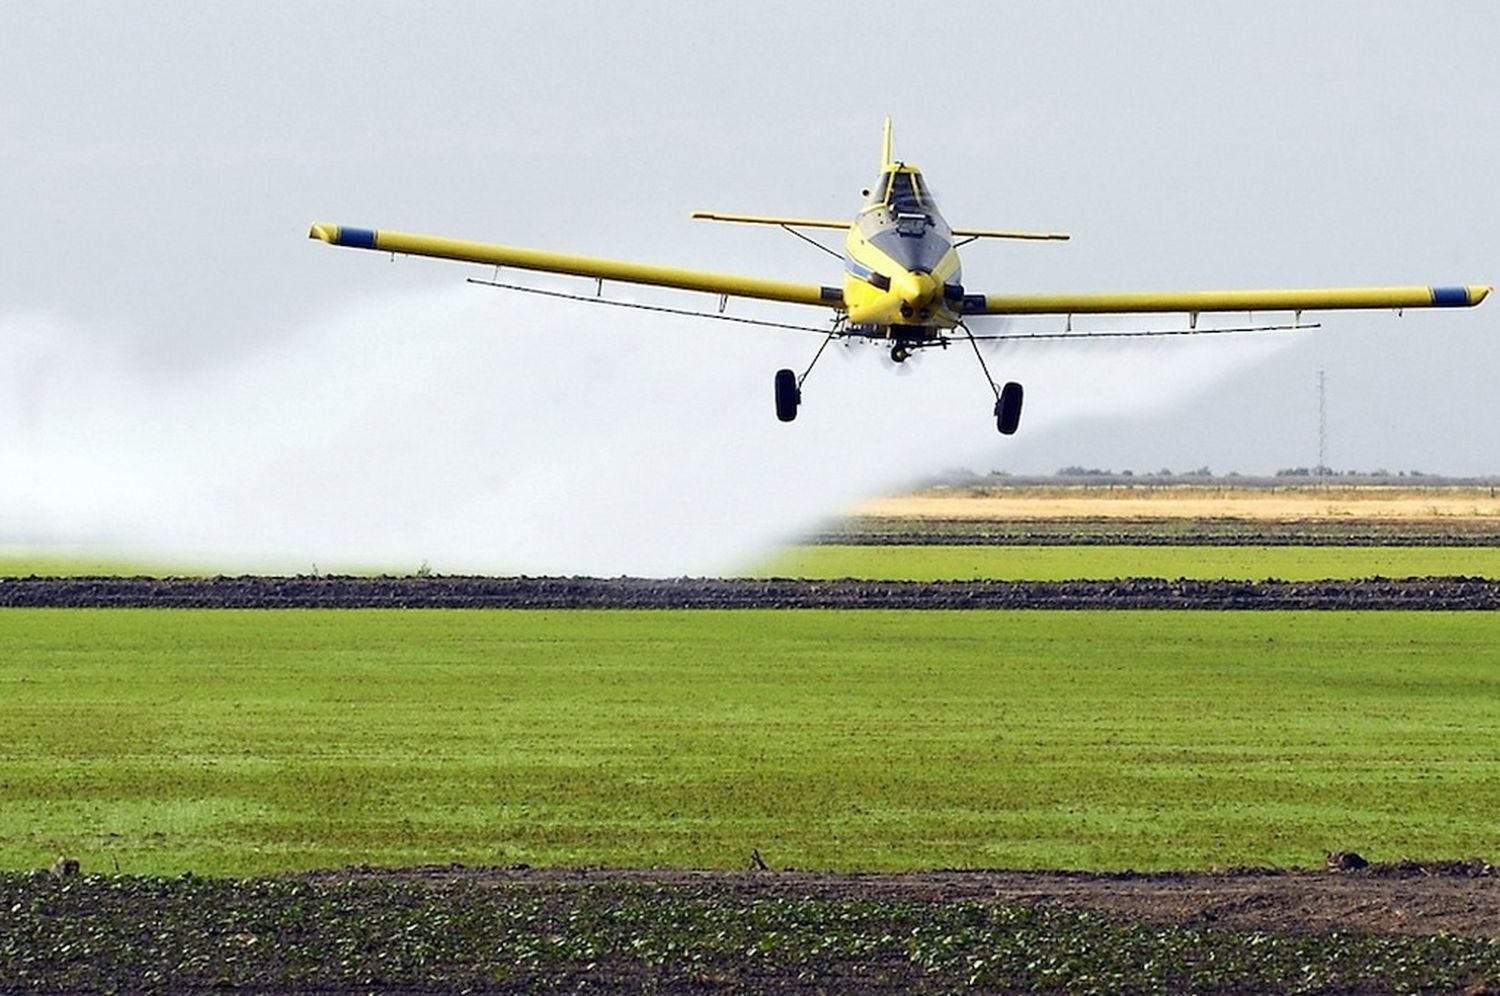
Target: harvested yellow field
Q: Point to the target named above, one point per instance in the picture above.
(1392, 504)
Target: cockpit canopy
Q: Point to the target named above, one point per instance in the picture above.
(901, 220)
(902, 190)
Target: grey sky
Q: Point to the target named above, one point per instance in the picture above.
(160, 164)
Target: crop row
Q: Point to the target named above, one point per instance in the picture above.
(743, 593)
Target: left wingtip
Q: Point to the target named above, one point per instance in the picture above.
(324, 232)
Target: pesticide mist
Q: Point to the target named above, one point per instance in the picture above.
(481, 432)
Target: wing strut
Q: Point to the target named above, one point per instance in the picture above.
(980, 357)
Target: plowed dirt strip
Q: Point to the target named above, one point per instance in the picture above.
(1417, 929)
(1460, 897)
(1122, 531)
(742, 593)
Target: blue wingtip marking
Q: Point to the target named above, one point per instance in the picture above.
(357, 238)
(1450, 297)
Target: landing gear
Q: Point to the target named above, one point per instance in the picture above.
(789, 385)
(788, 395)
(899, 353)
(1008, 409)
(1007, 399)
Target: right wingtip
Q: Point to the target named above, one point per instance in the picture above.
(343, 235)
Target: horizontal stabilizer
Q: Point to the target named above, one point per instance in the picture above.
(758, 219)
(984, 233)
(960, 233)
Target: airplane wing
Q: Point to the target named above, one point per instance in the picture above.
(1196, 302)
(582, 266)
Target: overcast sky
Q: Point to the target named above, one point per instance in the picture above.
(160, 164)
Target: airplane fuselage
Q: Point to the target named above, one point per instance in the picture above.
(902, 278)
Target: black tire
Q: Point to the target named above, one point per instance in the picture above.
(1008, 409)
(788, 395)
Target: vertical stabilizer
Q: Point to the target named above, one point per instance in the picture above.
(885, 147)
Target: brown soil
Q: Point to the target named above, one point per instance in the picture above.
(1401, 928)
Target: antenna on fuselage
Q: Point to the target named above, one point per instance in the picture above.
(885, 147)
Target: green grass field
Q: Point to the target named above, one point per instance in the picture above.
(55, 565)
(1009, 563)
(242, 742)
(1059, 563)
(20, 565)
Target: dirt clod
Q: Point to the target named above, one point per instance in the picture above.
(1346, 861)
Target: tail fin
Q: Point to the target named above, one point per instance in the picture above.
(885, 147)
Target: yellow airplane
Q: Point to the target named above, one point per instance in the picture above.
(902, 284)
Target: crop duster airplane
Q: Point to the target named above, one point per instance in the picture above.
(902, 284)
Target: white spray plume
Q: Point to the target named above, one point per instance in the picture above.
(484, 432)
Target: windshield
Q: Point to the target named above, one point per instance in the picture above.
(907, 195)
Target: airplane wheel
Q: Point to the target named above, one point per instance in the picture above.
(899, 354)
(1008, 409)
(788, 395)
